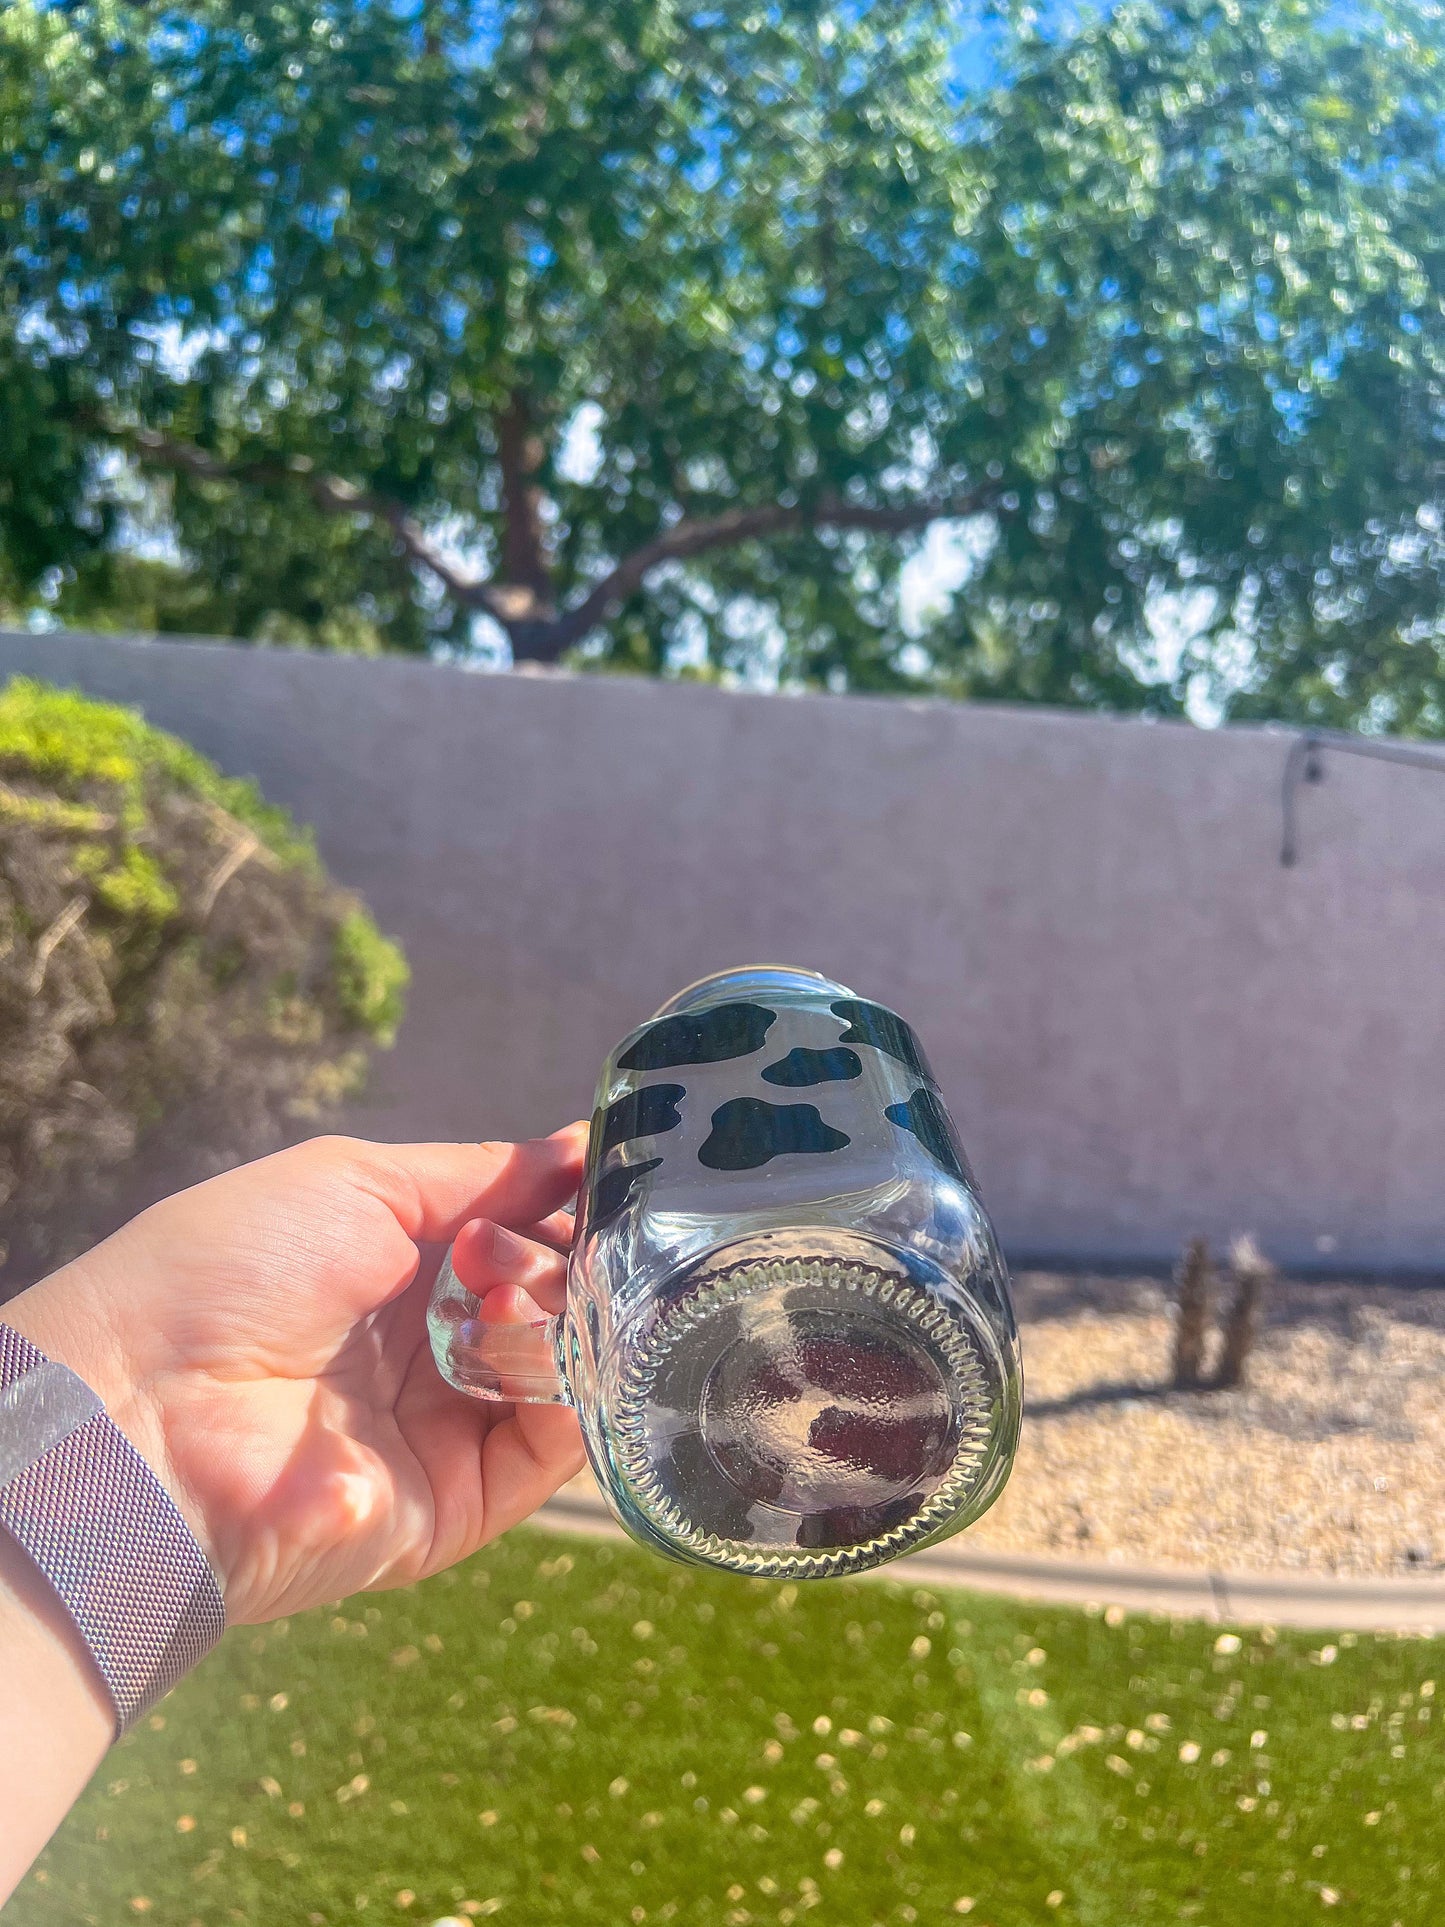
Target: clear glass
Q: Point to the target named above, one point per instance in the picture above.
(788, 1332)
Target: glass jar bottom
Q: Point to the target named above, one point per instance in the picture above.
(803, 1417)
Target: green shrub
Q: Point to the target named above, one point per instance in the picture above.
(181, 985)
(370, 976)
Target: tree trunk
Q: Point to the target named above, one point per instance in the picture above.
(525, 584)
(537, 641)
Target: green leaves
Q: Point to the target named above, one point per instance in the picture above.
(1165, 305)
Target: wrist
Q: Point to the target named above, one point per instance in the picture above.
(71, 1317)
(104, 1533)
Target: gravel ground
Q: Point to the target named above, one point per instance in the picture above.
(1330, 1459)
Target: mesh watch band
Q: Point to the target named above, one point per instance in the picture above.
(101, 1529)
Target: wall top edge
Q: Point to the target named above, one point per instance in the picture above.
(615, 687)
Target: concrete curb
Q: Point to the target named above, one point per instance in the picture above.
(1270, 1599)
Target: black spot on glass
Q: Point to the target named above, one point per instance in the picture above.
(884, 1029)
(892, 1450)
(613, 1192)
(854, 1525)
(746, 1132)
(930, 1124)
(715, 1504)
(803, 1066)
(644, 1113)
(700, 1037)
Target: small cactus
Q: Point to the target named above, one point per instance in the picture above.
(1252, 1273)
(1196, 1289)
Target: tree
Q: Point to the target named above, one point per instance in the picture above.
(327, 291)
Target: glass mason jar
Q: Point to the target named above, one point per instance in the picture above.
(788, 1332)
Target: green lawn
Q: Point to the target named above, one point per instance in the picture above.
(567, 1730)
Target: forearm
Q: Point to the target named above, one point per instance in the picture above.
(55, 1719)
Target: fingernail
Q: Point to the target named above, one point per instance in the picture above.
(508, 1250)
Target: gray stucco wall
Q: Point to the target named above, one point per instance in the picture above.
(1145, 1026)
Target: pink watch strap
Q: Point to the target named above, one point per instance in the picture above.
(102, 1531)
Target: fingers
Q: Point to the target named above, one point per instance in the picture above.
(434, 1189)
(488, 1466)
(558, 1231)
(525, 1458)
(512, 1275)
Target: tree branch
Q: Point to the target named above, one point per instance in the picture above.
(690, 538)
(330, 494)
(524, 608)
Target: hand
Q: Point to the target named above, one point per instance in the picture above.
(262, 1339)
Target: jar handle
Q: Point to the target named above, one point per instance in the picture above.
(515, 1363)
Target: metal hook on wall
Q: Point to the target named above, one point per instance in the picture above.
(1305, 764)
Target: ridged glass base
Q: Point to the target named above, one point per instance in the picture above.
(803, 1417)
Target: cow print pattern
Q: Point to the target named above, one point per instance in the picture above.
(930, 1124)
(700, 1037)
(884, 1029)
(612, 1192)
(747, 1132)
(649, 1112)
(803, 1066)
